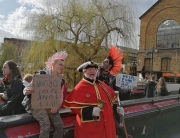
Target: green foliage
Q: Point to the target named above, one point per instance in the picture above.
(8, 52)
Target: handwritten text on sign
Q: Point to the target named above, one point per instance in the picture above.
(47, 89)
(126, 81)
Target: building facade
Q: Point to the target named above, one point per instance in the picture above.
(159, 51)
(20, 44)
(129, 60)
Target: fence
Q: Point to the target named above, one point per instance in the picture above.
(153, 118)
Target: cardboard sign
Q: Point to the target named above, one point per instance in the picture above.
(126, 81)
(47, 91)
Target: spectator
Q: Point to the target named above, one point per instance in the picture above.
(108, 69)
(27, 79)
(27, 99)
(13, 90)
(54, 65)
(161, 88)
(149, 87)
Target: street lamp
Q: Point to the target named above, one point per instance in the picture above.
(152, 58)
(175, 73)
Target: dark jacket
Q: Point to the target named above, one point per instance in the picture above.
(161, 92)
(13, 105)
(149, 88)
(110, 80)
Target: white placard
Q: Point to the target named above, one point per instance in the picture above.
(126, 81)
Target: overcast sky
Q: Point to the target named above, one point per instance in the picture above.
(14, 12)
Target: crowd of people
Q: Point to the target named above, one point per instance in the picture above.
(155, 89)
(93, 99)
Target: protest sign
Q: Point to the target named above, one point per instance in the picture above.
(47, 89)
(126, 81)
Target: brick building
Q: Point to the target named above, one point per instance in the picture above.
(159, 51)
(129, 60)
(21, 45)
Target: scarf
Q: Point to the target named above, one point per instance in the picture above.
(5, 80)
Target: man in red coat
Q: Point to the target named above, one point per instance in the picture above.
(92, 102)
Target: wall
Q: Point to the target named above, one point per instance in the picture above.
(144, 118)
(150, 21)
(153, 117)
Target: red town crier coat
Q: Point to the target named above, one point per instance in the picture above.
(81, 100)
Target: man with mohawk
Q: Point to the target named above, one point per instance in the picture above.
(54, 65)
(108, 69)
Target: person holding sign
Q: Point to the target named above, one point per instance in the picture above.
(108, 69)
(54, 67)
(92, 102)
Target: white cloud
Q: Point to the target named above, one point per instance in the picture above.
(1, 17)
(16, 21)
(4, 33)
(37, 3)
(14, 25)
(40, 3)
(33, 3)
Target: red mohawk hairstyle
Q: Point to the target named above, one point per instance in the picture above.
(115, 57)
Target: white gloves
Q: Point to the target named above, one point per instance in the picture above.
(96, 111)
(120, 110)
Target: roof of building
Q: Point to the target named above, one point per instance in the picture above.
(16, 39)
(150, 9)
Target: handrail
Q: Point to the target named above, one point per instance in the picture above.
(149, 100)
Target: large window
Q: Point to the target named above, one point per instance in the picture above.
(147, 64)
(165, 64)
(168, 35)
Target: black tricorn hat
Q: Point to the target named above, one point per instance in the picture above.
(89, 64)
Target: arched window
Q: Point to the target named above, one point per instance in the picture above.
(165, 64)
(168, 35)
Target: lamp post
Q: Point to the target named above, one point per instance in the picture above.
(152, 58)
(175, 73)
